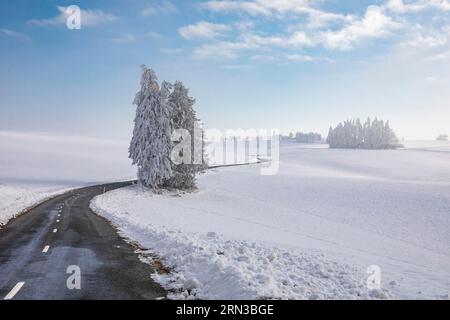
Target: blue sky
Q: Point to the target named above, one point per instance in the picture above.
(285, 64)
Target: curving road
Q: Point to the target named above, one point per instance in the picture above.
(37, 248)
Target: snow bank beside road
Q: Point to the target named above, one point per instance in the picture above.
(209, 266)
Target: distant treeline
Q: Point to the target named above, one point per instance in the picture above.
(352, 134)
(301, 137)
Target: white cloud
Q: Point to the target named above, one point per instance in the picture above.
(244, 25)
(250, 7)
(426, 41)
(14, 35)
(88, 18)
(318, 19)
(130, 38)
(295, 40)
(374, 24)
(300, 58)
(259, 7)
(287, 58)
(231, 50)
(279, 9)
(165, 7)
(238, 67)
(321, 28)
(203, 29)
(308, 29)
(228, 50)
(400, 6)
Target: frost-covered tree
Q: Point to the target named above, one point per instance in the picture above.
(375, 134)
(150, 146)
(187, 134)
(366, 142)
(389, 137)
(330, 138)
(166, 130)
(359, 131)
(442, 137)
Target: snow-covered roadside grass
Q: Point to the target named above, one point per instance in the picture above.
(211, 266)
(15, 200)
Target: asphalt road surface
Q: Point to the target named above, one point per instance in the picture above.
(62, 250)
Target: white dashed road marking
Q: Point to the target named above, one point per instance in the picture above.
(57, 220)
(55, 230)
(14, 291)
(45, 249)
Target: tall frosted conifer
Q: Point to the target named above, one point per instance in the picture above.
(183, 117)
(150, 146)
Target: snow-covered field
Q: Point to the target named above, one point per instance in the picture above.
(41, 157)
(16, 198)
(311, 231)
(427, 145)
(35, 166)
(225, 152)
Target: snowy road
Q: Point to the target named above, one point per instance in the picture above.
(37, 249)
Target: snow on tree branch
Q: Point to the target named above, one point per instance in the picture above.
(160, 111)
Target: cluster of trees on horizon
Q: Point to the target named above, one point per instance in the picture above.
(352, 134)
(311, 137)
(161, 111)
(442, 137)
